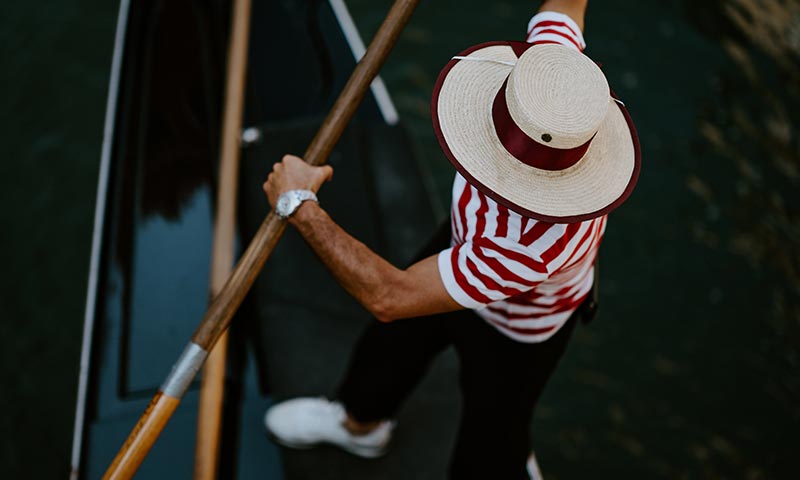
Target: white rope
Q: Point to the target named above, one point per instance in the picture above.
(478, 59)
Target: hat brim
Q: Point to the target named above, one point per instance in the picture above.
(461, 110)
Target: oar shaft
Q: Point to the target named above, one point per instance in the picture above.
(225, 304)
(212, 389)
(209, 412)
(359, 82)
(142, 437)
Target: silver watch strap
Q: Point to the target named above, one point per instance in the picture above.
(303, 195)
(290, 201)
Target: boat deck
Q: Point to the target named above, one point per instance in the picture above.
(293, 333)
(305, 323)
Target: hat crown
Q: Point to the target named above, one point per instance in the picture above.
(557, 96)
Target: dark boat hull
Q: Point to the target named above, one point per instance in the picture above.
(154, 240)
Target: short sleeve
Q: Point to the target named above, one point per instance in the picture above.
(485, 270)
(555, 27)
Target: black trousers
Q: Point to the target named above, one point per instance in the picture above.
(500, 381)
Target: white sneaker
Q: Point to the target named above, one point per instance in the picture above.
(533, 468)
(306, 422)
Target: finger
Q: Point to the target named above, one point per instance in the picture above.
(320, 174)
(292, 158)
(328, 170)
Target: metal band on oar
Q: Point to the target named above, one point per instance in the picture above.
(209, 412)
(221, 310)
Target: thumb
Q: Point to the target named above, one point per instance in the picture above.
(327, 173)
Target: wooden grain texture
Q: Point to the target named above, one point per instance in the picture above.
(212, 390)
(142, 437)
(226, 303)
(209, 413)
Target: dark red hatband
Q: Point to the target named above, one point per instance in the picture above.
(526, 149)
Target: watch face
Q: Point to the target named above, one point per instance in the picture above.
(289, 201)
(286, 204)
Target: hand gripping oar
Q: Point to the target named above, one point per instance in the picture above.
(221, 310)
(212, 388)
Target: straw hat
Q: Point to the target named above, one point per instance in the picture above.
(537, 129)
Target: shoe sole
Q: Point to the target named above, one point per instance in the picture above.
(362, 452)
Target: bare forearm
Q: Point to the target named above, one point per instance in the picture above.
(387, 292)
(363, 273)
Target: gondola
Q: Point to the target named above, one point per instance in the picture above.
(148, 278)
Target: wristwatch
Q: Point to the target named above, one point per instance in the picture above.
(289, 201)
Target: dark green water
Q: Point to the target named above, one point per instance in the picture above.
(691, 370)
(54, 75)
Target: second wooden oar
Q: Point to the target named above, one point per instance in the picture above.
(219, 314)
(212, 389)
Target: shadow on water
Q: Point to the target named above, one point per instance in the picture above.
(177, 102)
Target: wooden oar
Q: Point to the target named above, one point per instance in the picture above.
(209, 414)
(221, 310)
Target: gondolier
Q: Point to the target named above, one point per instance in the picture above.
(543, 152)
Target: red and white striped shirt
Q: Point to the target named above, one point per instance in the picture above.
(524, 276)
